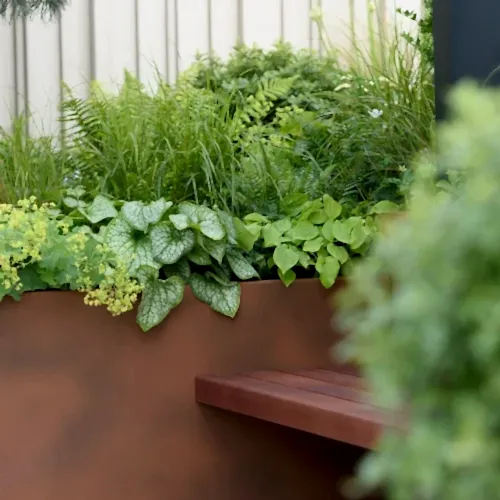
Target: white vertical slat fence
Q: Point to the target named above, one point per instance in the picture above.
(97, 40)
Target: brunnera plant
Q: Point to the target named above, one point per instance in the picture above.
(167, 247)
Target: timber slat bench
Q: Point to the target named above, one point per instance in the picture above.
(322, 402)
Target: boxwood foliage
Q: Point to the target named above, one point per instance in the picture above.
(424, 315)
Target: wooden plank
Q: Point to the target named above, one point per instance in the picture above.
(350, 422)
(311, 385)
(343, 379)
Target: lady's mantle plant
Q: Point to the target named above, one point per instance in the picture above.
(41, 249)
(425, 321)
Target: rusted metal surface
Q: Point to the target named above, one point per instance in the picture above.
(321, 402)
(92, 408)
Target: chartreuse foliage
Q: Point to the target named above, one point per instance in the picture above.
(424, 318)
(40, 248)
(318, 238)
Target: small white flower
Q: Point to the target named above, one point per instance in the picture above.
(375, 113)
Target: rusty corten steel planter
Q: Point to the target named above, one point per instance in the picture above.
(92, 408)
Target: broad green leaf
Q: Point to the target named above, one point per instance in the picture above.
(341, 231)
(287, 278)
(143, 255)
(329, 271)
(385, 207)
(272, 237)
(206, 219)
(283, 225)
(273, 233)
(216, 249)
(170, 244)
(333, 208)
(133, 253)
(359, 235)
(120, 239)
(199, 256)
(328, 230)
(340, 253)
(224, 299)
(70, 202)
(250, 218)
(140, 216)
(180, 221)
(310, 208)
(240, 266)
(159, 297)
(245, 238)
(100, 209)
(314, 245)
(303, 231)
(318, 217)
(285, 257)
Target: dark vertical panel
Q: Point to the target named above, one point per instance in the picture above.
(467, 44)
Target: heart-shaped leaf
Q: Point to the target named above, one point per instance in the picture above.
(340, 253)
(206, 219)
(314, 245)
(170, 244)
(333, 208)
(287, 278)
(329, 271)
(100, 209)
(222, 298)
(240, 266)
(159, 297)
(285, 257)
(303, 231)
(134, 253)
(140, 216)
(180, 221)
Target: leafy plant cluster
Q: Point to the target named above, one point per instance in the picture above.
(423, 314)
(246, 135)
(40, 248)
(116, 251)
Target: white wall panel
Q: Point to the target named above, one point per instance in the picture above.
(98, 39)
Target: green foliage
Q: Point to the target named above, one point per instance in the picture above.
(166, 247)
(246, 135)
(40, 249)
(30, 167)
(140, 145)
(422, 312)
(348, 132)
(316, 240)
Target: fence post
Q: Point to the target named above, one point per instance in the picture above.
(467, 44)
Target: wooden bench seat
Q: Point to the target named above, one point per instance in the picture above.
(322, 402)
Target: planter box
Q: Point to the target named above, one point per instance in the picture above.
(92, 408)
